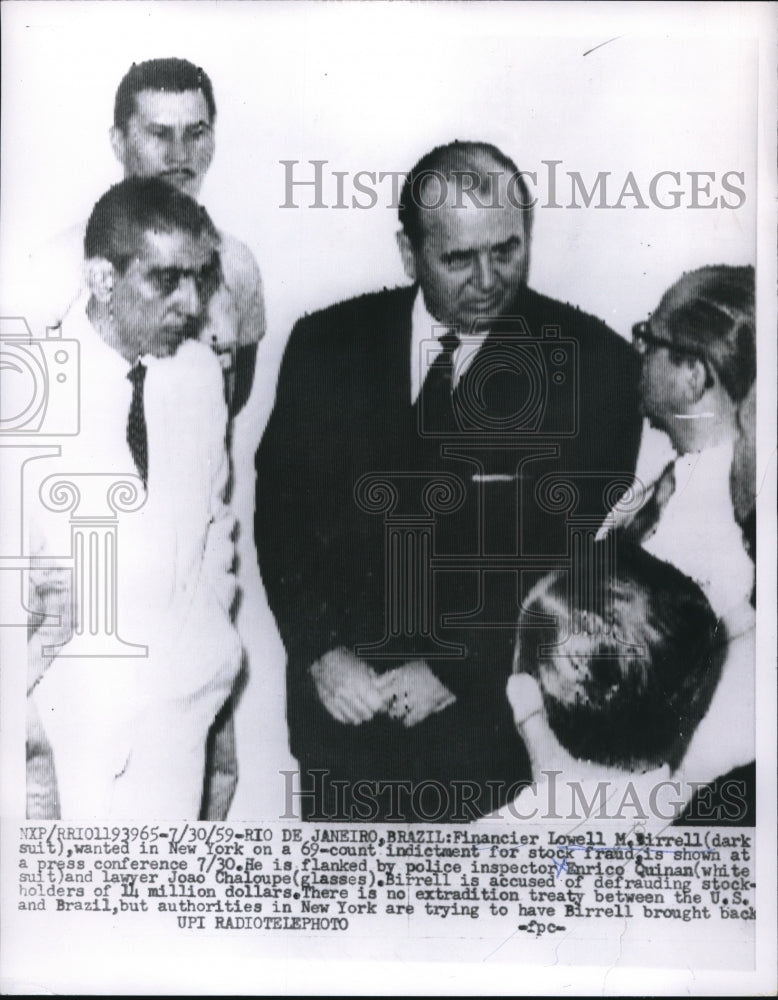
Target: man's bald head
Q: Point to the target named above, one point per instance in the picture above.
(465, 233)
(480, 174)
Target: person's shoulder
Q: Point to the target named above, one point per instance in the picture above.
(238, 262)
(386, 303)
(344, 325)
(596, 340)
(571, 317)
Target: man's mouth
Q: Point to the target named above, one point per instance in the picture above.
(486, 303)
(182, 328)
(178, 175)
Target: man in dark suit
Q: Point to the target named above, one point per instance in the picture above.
(431, 451)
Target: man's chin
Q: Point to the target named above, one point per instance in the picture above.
(482, 316)
(166, 345)
(184, 182)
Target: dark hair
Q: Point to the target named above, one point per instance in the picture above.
(714, 319)
(449, 161)
(627, 674)
(175, 75)
(136, 206)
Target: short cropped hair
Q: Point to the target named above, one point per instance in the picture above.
(452, 161)
(174, 75)
(624, 684)
(714, 319)
(135, 206)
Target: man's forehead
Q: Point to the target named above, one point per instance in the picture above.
(461, 224)
(166, 107)
(176, 248)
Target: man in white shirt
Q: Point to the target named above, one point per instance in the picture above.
(128, 732)
(164, 126)
(697, 385)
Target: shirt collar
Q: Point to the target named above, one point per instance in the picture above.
(424, 327)
(78, 325)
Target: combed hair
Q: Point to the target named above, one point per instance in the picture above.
(135, 206)
(716, 321)
(448, 161)
(173, 75)
(625, 682)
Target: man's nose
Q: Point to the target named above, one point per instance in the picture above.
(177, 150)
(485, 276)
(187, 296)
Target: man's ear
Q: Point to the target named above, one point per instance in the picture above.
(695, 379)
(408, 255)
(118, 143)
(99, 278)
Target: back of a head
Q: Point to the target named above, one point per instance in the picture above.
(475, 166)
(171, 75)
(710, 312)
(135, 206)
(627, 675)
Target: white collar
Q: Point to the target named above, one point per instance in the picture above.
(77, 324)
(426, 332)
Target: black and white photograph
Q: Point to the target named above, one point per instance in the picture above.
(388, 487)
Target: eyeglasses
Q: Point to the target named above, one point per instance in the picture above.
(167, 280)
(643, 338)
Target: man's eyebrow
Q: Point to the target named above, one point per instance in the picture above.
(512, 241)
(200, 123)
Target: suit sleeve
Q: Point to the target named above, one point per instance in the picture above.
(291, 485)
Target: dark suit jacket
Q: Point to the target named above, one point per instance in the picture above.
(552, 394)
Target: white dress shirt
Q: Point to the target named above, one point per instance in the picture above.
(698, 534)
(426, 333)
(697, 531)
(128, 734)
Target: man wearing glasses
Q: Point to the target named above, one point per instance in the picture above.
(697, 385)
(128, 732)
(698, 369)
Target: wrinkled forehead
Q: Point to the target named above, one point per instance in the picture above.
(176, 248)
(166, 107)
